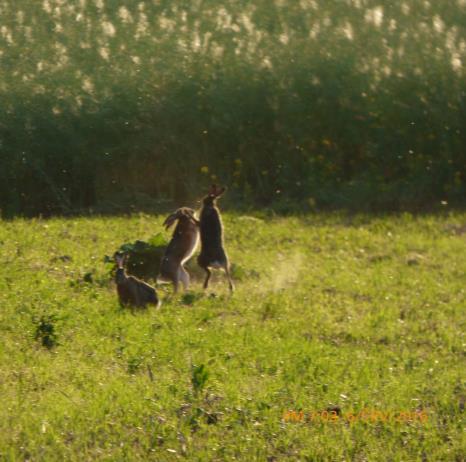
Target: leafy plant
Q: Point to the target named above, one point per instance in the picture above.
(199, 376)
(46, 331)
(144, 257)
(134, 364)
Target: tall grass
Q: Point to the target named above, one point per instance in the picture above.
(331, 103)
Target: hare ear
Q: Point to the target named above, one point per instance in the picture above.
(219, 191)
(119, 259)
(170, 220)
(185, 211)
(190, 214)
(212, 189)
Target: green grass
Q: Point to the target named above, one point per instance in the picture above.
(351, 311)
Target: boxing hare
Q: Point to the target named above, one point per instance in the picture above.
(212, 252)
(180, 248)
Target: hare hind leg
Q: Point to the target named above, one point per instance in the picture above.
(175, 286)
(230, 281)
(209, 273)
(183, 276)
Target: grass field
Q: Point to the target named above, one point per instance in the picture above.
(358, 312)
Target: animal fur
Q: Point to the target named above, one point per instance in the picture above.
(180, 248)
(212, 254)
(132, 291)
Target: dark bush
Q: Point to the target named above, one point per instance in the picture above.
(347, 104)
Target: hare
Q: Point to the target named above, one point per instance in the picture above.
(212, 252)
(180, 248)
(132, 291)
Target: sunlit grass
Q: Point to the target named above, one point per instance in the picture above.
(329, 310)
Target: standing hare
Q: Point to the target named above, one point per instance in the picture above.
(132, 291)
(180, 248)
(212, 252)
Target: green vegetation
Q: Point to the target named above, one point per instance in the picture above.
(330, 311)
(355, 103)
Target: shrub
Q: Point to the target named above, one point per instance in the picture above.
(345, 103)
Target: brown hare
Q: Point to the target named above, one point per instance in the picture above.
(180, 248)
(212, 252)
(132, 291)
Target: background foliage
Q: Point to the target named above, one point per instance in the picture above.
(352, 103)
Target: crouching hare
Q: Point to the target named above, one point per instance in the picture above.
(180, 248)
(212, 251)
(132, 291)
